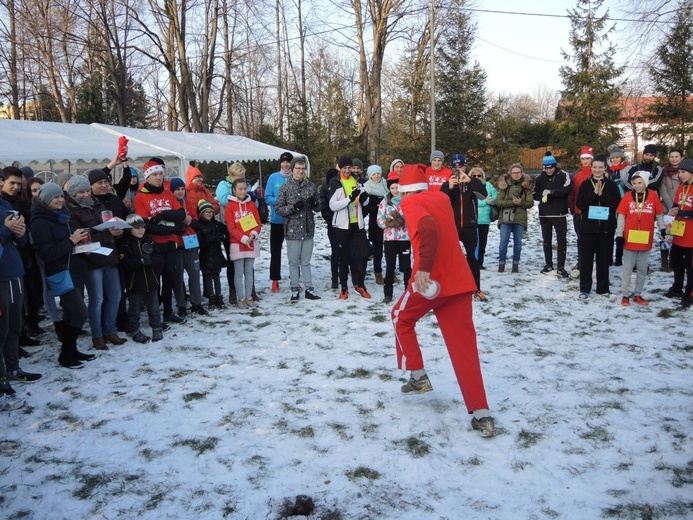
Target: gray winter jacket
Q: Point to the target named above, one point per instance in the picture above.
(299, 224)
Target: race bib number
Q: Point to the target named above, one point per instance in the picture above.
(678, 228)
(598, 213)
(636, 236)
(190, 241)
(248, 222)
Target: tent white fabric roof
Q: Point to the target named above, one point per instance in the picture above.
(27, 141)
(39, 141)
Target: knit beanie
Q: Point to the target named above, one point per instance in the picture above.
(176, 183)
(62, 179)
(616, 151)
(392, 164)
(135, 220)
(48, 192)
(28, 172)
(344, 160)
(286, 156)
(96, 175)
(650, 148)
(373, 169)
(644, 175)
(437, 155)
(686, 164)
(298, 158)
(203, 206)
(357, 162)
(77, 184)
(548, 160)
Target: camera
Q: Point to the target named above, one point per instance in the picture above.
(13, 214)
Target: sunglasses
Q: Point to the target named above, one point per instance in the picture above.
(477, 176)
(549, 167)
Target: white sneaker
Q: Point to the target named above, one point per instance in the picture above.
(10, 402)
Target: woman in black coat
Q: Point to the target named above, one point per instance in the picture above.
(54, 242)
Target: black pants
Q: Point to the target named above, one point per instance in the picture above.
(396, 250)
(276, 242)
(74, 309)
(483, 240)
(11, 303)
(33, 297)
(595, 246)
(681, 258)
(548, 224)
(151, 302)
(469, 239)
(212, 284)
(375, 235)
(345, 239)
(172, 279)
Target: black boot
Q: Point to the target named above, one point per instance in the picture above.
(68, 353)
(58, 330)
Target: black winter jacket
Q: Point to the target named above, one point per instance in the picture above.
(586, 197)
(212, 234)
(560, 186)
(132, 254)
(463, 198)
(86, 218)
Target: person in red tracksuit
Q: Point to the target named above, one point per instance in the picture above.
(438, 262)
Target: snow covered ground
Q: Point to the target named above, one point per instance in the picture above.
(236, 413)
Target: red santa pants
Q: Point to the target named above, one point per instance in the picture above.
(454, 315)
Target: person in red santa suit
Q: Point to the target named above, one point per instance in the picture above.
(442, 282)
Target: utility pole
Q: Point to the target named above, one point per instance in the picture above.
(433, 81)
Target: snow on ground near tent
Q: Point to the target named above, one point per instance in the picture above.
(234, 413)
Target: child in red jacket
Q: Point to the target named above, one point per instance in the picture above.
(243, 221)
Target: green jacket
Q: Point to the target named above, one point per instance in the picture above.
(507, 188)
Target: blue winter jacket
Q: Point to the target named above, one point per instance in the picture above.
(274, 182)
(11, 265)
(484, 208)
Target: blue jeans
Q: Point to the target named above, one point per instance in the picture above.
(103, 288)
(517, 231)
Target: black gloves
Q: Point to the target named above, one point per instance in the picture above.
(363, 197)
(299, 204)
(312, 202)
(354, 194)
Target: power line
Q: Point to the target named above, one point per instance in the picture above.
(548, 15)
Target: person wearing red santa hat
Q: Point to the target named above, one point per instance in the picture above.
(164, 216)
(442, 282)
(580, 176)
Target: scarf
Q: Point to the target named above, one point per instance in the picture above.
(670, 171)
(85, 203)
(379, 189)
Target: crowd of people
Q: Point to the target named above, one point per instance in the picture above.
(110, 251)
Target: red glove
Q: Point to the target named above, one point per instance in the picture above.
(123, 148)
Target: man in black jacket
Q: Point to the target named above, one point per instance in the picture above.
(551, 189)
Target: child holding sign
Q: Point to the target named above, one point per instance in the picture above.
(636, 216)
(243, 221)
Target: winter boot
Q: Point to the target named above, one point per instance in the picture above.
(501, 268)
(256, 298)
(379, 279)
(516, 268)
(665, 260)
(232, 297)
(68, 352)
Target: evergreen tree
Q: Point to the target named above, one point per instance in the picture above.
(588, 110)
(672, 80)
(460, 87)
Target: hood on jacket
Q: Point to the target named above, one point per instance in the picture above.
(504, 181)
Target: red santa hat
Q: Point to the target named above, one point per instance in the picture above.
(587, 151)
(413, 178)
(152, 167)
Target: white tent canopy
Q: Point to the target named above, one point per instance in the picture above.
(43, 142)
